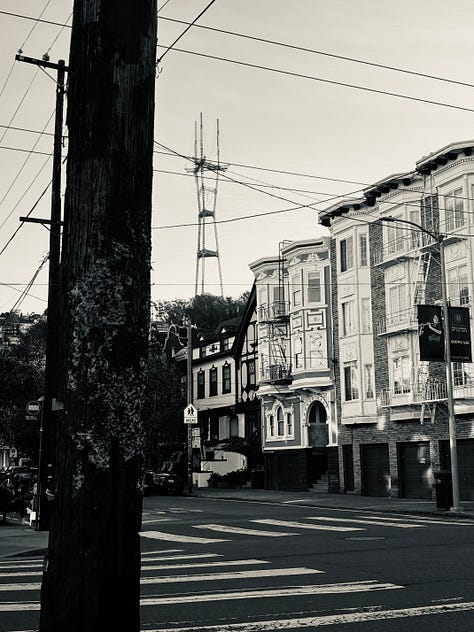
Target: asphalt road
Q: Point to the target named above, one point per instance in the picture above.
(219, 565)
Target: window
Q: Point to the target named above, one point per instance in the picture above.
(202, 351)
(314, 287)
(201, 382)
(395, 238)
(348, 326)
(363, 250)
(296, 289)
(401, 375)
(251, 338)
(289, 424)
(397, 305)
(369, 391)
(251, 372)
(226, 380)
(271, 425)
(461, 375)
(351, 390)
(454, 205)
(225, 344)
(280, 422)
(458, 287)
(346, 254)
(213, 381)
(298, 353)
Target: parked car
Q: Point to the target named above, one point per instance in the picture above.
(162, 483)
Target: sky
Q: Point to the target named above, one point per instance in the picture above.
(286, 141)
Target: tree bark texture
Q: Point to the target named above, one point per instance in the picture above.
(91, 580)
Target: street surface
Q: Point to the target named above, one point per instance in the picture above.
(235, 566)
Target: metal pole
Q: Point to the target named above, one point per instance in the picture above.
(189, 387)
(449, 375)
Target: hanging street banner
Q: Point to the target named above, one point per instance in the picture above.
(430, 333)
(460, 334)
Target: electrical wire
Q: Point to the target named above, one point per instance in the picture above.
(185, 31)
(323, 53)
(25, 292)
(298, 75)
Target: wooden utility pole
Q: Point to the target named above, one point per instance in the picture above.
(91, 578)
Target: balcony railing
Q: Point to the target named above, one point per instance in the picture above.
(398, 320)
(409, 394)
(402, 246)
(278, 310)
(276, 373)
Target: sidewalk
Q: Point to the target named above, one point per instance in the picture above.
(339, 501)
(18, 539)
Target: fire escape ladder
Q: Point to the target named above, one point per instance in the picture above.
(421, 276)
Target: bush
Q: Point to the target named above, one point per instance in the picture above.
(232, 480)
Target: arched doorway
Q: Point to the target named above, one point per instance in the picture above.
(317, 442)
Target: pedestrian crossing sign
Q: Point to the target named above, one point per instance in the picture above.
(190, 414)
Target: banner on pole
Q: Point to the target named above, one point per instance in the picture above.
(460, 334)
(430, 333)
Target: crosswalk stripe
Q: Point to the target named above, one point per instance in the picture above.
(155, 520)
(301, 525)
(161, 552)
(242, 530)
(171, 537)
(247, 574)
(316, 589)
(160, 567)
(326, 620)
(425, 520)
(168, 558)
(367, 521)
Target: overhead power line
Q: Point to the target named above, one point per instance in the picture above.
(298, 75)
(190, 24)
(263, 40)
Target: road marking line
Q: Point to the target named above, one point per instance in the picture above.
(242, 530)
(370, 521)
(249, 562)
(161, 551)
(152, 520)
(14, 573)
(247, 574)
(302, 525)
(316, 589)
(171, 558)
(170, 537)
(448, 521)
(326, 620)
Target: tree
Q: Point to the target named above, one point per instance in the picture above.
(21, 380)
(92, 578)
(206, 311)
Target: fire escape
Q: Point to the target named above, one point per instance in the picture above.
(277, 319)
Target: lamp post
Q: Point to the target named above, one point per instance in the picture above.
(439, 238)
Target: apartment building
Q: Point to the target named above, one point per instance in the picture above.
(299, 429)
(391, 406)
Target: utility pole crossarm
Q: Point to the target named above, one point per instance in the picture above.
(45, 63)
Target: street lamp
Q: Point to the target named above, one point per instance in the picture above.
(439, 238)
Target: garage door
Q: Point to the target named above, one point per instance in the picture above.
(465, 450)
(375, 469)
(414, 467)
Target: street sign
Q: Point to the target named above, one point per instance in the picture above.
(33, 410)
(196, 437)
(190, 414)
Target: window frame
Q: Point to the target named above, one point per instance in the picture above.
(201, 385)
(346, 254)
(351, 375)
(213, 379)
(226, 378)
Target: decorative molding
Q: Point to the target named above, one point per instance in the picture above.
(348, 352)
(347, 288)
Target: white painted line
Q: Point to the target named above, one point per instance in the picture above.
(170, 537)
(15, 587)
(208, 577)
(316, 589)
(369, 521)
(184, 510)
(154, 520)
(15, 567)
(161, 551)
(301, 525)
(242, 530)
(171, 558)
(14, 573)
(448, 521)
(326, 620)
(160, 567)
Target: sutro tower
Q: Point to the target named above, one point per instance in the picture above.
(206, 173)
